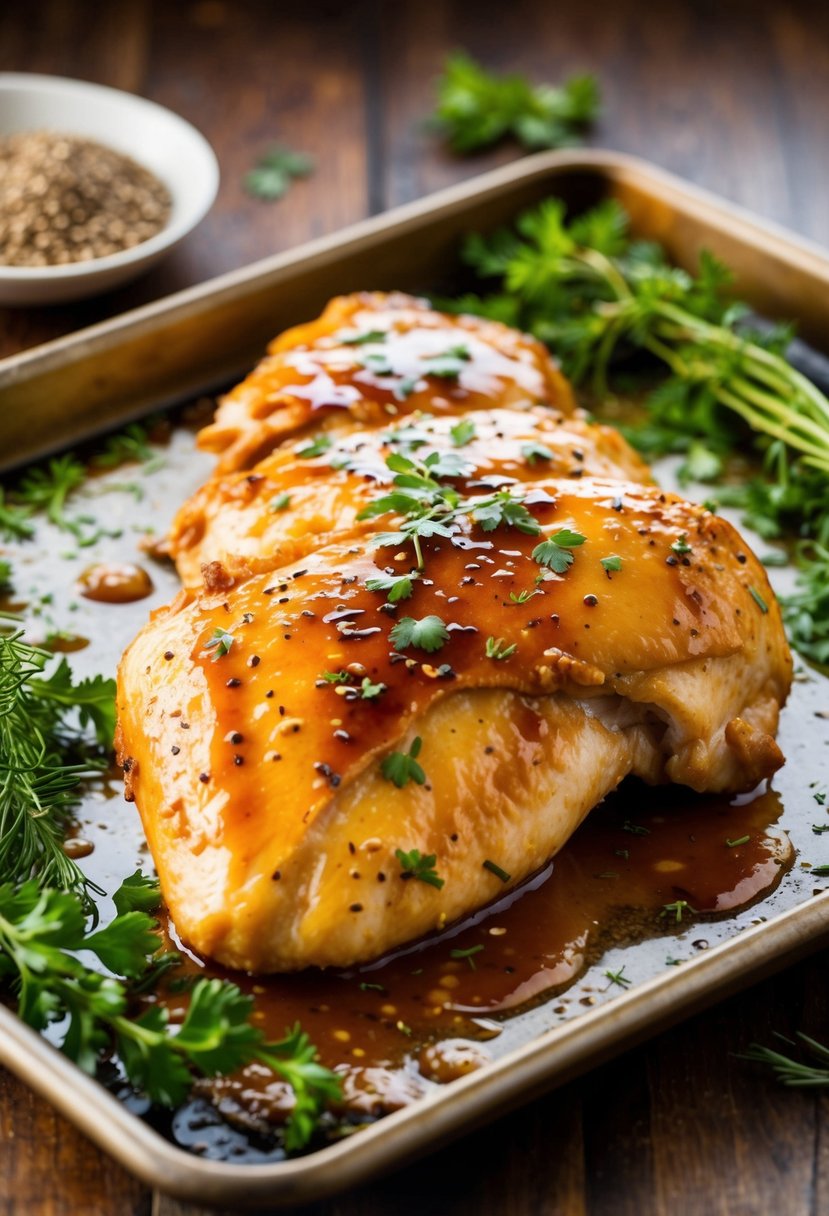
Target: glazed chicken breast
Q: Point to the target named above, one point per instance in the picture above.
(305, 493)
(298, 741)
(371, 358)
(431, 617)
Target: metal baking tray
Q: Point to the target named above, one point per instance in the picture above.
(192, 342)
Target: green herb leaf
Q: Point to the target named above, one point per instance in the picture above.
(554, 552)
(317, 447)
(429, 633)
(476, 108)
(758, 599)
(402, 767)
(414, 864)
(279, 503)
(533, 452)
(462, 433)
(497, 871)
(468, 954)
(496, 648)
(369, 691)
(397, 586)
(273, 173)
(611, 563)
(220, 643)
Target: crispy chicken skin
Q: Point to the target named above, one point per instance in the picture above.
(290, 503)
(261, 784)
(370, 358)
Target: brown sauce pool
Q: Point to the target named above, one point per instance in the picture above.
(115, 583)
(424, 1015)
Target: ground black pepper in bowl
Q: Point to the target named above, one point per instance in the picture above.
(66, 199)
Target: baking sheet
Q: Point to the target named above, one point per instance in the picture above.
(547, 1043)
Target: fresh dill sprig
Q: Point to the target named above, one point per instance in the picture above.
(476, 108)
(44, 759)
(794, 1072)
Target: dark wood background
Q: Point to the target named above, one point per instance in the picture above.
(734, 96)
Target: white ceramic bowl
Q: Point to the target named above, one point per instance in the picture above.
(158, 139)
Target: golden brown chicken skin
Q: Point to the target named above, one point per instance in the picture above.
(299, 497)
(372, 357)
(279, 773)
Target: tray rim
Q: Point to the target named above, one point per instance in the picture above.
(766, 234)
(558, 1054)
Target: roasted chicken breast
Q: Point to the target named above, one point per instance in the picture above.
(372, 357)
(304, 493)
(297, 739)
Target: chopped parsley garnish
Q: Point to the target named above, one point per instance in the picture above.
(360, 339)
(462, 433)
(496, 648)
(449, 364)
(555, 551)
(5, 575)
(676, 909)
(402, 767)
(618, 977)
(369, 691)
(273, 173)
(15, 523)
(635, 829)
(415, 864)
(317, 447)
(429, 633)
(220, 643)
(397, 586)
(497, 871)
(732, 844)
(820, 828)
(521, 597)
(681, 546)
(336, 677)
(468, 954)
(535, 451)
(279, 503)
(611, 563)
(820, 871)
(758, 599)
(503, 509)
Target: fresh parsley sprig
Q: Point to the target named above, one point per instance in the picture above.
(415, 864)
(273, 172)
(593, 293)
(41, 931)
(476, 108)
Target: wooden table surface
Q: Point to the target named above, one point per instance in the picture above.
(734, 96)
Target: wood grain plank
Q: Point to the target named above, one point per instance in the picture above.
(246, 73)
(47, 1168)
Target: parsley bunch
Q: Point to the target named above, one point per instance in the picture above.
(41, 931)
(596, 296)
(476, 108)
